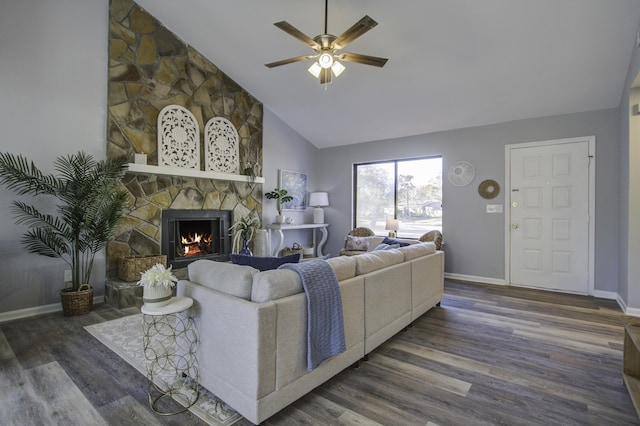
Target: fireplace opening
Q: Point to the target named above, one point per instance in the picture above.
(195, 237)
(189, 235)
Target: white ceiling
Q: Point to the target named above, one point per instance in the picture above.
(452, 63)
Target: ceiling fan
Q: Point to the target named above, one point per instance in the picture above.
(327, 46)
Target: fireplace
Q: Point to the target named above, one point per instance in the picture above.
(189, 235)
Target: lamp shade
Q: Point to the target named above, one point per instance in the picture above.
(319, 199)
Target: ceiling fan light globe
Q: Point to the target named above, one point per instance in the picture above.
(325, 60)
(337, 68)
(315, 69)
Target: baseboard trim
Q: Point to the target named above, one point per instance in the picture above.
(611, 295)
(475, 279)
(633, 312)
(38, 310)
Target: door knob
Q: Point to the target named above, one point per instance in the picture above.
(514, 226)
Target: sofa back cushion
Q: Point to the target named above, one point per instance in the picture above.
(369, 262)
(228, 278)
(417, 250)
(343, 266)
(275, 284)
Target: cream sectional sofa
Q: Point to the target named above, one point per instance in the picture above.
(252, 324)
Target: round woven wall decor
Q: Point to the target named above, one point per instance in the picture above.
(489, 189)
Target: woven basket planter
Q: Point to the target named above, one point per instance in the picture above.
(77, 302)
(295, 249)
(130, 267)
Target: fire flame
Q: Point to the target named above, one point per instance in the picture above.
(191, 245)
(195, 239)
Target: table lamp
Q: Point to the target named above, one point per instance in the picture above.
(392, 226)
(319, 200)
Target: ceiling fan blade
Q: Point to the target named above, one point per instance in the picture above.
(325, 76)
(289, 61)
(293, 31)
(362, 59)
(356, 30)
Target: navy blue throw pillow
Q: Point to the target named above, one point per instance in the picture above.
(390, 241)
(264, 263)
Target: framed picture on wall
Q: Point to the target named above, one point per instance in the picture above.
(296, 185)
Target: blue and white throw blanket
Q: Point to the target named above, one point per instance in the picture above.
(325, 325)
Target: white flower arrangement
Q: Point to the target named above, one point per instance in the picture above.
(158, 275)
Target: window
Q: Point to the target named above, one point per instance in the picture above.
(408, 190)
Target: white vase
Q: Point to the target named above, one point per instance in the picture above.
(156, 297)
(280, 218)
(261, 246)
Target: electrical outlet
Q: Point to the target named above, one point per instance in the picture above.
(67, 275)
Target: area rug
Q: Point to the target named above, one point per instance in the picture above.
(124, 337)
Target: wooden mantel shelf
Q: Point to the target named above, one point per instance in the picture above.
(177, 171)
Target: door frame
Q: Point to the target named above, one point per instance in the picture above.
(592, 193)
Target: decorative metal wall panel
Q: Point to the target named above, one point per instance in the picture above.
(221, 146)
(178, 138)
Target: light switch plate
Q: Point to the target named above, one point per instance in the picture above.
(494, 208)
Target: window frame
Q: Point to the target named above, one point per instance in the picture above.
(354, 207)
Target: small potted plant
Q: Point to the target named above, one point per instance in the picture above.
(158, 283)
(281, 197)
(243, 231)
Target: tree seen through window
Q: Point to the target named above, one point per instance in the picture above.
(409, 190)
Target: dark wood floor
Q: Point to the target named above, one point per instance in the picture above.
(488, 355)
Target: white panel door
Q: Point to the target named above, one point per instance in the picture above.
(549, 212)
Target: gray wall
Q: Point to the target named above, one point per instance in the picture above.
(283, 148)
(475, 239)
(54, 91)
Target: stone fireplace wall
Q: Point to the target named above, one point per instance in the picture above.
(150, 68)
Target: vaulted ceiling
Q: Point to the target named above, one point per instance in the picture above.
(452, 63)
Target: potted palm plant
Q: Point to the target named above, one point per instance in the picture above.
(281, 197)
(87, 214)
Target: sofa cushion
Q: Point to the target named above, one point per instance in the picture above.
(231, 279)
(356, 243)
(375, 242)
(369, 262)
(275, 284)
(264, 263)
(344, 267)
(417, 250)
(389, 240)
